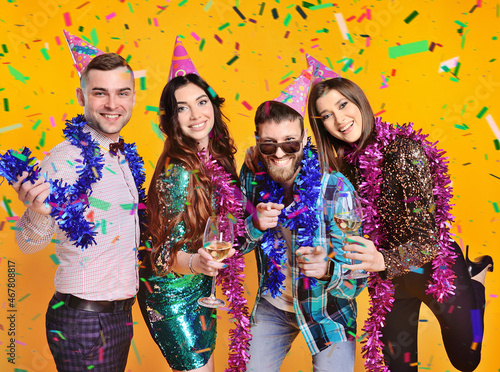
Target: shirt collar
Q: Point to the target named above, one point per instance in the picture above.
(103, 140)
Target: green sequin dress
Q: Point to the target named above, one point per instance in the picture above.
(184, 330)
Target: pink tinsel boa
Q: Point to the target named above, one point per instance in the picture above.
(231, 278)
(370, 162)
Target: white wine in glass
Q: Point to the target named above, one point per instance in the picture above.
(217, 241)
(348, 216)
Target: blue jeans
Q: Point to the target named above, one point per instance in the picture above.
(272, 337)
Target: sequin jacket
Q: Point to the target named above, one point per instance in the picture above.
(406, 206)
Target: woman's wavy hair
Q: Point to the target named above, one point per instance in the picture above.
(331, 149)
(181, 149)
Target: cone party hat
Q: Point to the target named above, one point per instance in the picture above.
(320, 71)
(295, 95)
(81, 51)
(181, 63)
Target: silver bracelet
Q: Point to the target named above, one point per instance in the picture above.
(191, 263)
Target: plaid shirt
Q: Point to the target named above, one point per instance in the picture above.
(326, 313)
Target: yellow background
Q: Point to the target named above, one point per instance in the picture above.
(269, 50)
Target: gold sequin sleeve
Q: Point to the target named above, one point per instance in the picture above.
(407, 206)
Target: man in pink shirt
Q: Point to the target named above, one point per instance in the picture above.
(89, 319)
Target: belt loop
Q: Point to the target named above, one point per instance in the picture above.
(67, 300)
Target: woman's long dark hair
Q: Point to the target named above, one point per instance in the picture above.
(181, 149)
(330, 149)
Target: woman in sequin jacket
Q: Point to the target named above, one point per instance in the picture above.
(403, 183)
(180, 200)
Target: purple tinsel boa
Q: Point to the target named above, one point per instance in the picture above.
(231, 278)
(369, 161)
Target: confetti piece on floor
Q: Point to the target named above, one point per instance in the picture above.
(110, 16)
(342, 26)
(408, 49)
(287, 20)
(67, 19)
(247, 105)
(42, 140)
(59, 304)
(17, 75)
(152, 108)
(477, 327)
(301, 12)
(321, 6)
(139, 74)
(157, 130)
(6, 205)
(6, 104)
(99, 204)
(449, 64)
(417, 270)
(493, 126)
(45, 54)
(136, 352)
(239, 13)
(482, 112)
(274, 12)
(411, 17)
(54, 258)
(217, 37)
(10, 127)
(208, 6)
(24, 297)
(232, 60)
(496, 208)
(203, 350)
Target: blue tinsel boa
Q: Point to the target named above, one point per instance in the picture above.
(302, 218)
(69, 202)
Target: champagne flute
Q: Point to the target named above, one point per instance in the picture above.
(348, 215)
(217, 241)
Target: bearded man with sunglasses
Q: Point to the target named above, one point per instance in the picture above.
(291, 228)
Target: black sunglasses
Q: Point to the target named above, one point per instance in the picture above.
(270, 148)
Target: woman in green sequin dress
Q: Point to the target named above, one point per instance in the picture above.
(180, 200)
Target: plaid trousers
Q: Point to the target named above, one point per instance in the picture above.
(82, 340)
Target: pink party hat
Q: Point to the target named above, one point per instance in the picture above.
(81, 51)
(320, 71)
(181, 63)
(295, 95)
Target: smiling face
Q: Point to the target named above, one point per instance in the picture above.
(195, 113)
(340, 116)
(108, 98)
(282, 167)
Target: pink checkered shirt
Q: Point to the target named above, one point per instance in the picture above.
(106, 271)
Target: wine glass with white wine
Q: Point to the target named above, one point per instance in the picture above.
(217, 241)
(348, 215)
